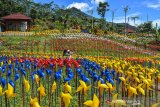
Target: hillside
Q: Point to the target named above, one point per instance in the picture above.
(76, 13)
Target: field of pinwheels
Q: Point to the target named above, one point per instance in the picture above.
(101, 73)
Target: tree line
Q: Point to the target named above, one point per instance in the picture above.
(51, 16)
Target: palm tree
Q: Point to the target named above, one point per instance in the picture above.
(134, 19)
(125, 12)
(102, 8)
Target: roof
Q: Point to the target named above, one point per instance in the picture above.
(16, 16)
(130, 30)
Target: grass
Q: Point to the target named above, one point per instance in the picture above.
(80, 46)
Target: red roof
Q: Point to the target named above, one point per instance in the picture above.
(129, 30)
(16, 16)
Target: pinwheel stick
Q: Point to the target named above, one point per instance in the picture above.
(55, 99)
(145, 96)
(137, 99)
(32, 94)
(23, 94)
(39, 97)
(6, 100)
(1, 100)
(149, 97)
(109, 94)
(157, 87)
(156, 81)
(50, 97)
(62, 103)
(82, 98)
(79, 104)
(99, 98)
(48, 89)
(122, 90)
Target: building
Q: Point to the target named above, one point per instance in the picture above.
(15, 22)
(130, 30)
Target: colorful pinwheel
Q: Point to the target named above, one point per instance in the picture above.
(66, 98)
(94, 103)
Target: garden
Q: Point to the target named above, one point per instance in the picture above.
(100, 73)
(62, 56)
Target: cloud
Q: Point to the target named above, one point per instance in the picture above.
(121, 19)
(97, 1)
(82, 6)
(155, 5)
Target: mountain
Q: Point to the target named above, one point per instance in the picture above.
(76, 13)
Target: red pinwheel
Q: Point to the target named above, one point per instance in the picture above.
(60, 62)
(68, 62)
(76, 64)
(53, 61)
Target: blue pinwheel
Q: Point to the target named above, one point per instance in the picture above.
(41, 73)
(48, 71)
(11, 83)
(58, 74)
(23, 72)
(70, 75)
(3, 82)
(9, 73)
(16, 77)
(10, 66)
(78, 70)
(3, 69)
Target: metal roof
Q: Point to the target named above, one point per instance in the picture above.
(16, 16)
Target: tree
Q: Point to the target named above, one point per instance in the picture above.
(134, 19)
(102, 8)
(145, 27)
(125, 13)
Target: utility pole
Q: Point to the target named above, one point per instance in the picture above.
(112, 17)
(125, 13)
(113, 14)
(147, 18)
(91, 12)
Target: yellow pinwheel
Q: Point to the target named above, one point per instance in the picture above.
(1, 63)
(66, 98)
(155, 105)
(67, 88)
(145, 81)
(26, 84)
(141, 90)
(131, 91)
(34, 102)
(41, 90)
(54, 86)
(101, 87)
(94, 103)
(136, 79)
(110, 86)
(148, 83)
(83, 87)
(36, 78)
(1, 91)
(10, 92)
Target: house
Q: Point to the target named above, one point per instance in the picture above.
(15, 22)
(130, 30)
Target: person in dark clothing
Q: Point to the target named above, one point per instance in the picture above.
(67, 53)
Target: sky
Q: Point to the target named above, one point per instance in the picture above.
(140, 8)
